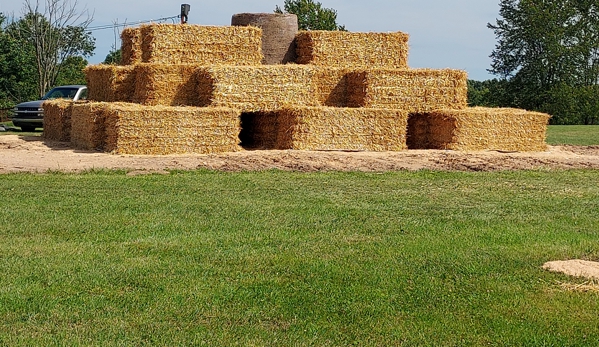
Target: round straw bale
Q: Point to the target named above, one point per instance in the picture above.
(278, 34)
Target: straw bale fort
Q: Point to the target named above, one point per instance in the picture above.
(261, 84)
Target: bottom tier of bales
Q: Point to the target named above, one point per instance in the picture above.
(124, 128)
(57, 120)
(326, 128)
(479, 128)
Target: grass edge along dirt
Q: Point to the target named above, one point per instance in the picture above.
(279, 258)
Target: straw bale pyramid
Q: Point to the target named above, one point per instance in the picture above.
(207, 89)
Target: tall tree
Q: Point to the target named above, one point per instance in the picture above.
(71, 71)
(545, 49)
(56, 33)
(311, 15)
(17, 68)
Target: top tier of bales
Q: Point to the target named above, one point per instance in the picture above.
(343, 49)
(192, 44)
(278, 34)
(256, 39)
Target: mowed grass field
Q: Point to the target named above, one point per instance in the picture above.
(579, 135)
(296, 259)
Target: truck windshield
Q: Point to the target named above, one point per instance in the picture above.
(61, 93)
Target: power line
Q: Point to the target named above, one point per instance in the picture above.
(116, 25)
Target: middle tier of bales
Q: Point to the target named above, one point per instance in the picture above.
(110, 83)
(167, 85)
(259, 88)
(274, 87)
(192, 44)
(414, 90)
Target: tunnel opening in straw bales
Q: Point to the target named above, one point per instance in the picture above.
(425, 132)
(258, 130)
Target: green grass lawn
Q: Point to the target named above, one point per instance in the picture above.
(303, 259)
(581, 135)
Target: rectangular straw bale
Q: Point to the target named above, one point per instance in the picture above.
(259, 88)
(347, 49)
(57, 119)
(479, 128)
(88, 125)
(331, 86)
(203, 45)
(130, 46)
(161, 130)
(329, 128)
(110, 83)
(413, 90)
(167, 85)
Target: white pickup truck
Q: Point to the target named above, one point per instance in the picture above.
(30, 115)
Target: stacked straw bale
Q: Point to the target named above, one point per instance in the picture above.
(57, 119)
(202, 45)
(130, 46)
(161, 130)
(168, 85)
(353, 50)
(110, 83)
(88, 131)
(278, 34)
(479, 128)
(331, 86)
(351, 91)
(414, 90)
(258, 88)
(330, 128)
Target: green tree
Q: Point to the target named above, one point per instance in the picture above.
(56, 34)
(71, 71)
(114, 57)
(311, 15)
(546, 50)
(17, 68)
(489, 93)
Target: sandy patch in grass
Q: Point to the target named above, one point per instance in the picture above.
(575, 267)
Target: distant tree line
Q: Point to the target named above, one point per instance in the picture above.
(546, 58)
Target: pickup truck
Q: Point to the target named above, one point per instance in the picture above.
(30, 115)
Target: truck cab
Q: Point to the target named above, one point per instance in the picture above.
(30, 115)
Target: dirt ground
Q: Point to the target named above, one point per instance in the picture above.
(575, 267)
(34, 154)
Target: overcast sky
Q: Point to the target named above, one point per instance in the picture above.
(443, 33)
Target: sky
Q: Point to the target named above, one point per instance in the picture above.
(443, 33)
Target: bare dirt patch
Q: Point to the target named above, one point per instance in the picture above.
(34, 154)
(575, 267)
